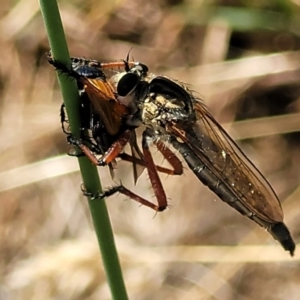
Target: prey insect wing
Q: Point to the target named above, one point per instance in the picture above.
(103, 102)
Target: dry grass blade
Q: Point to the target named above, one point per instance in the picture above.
(250, 82)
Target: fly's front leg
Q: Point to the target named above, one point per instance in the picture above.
(153, 176)
(66, 129)
(110, 155)
(63, 120)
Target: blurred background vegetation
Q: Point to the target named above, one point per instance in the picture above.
(243, 59)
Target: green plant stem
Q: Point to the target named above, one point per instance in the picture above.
(89, 172)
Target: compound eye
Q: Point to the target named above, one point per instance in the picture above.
(127, 83)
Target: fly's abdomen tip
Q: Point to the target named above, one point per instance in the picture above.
(281, 233)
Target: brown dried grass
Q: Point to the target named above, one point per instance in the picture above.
(47, 247)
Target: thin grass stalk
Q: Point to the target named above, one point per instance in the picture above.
(89, 172)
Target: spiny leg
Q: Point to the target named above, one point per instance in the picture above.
(172, 159)
(176, 170)
(153, 176)
(117, 147)
(112, 153)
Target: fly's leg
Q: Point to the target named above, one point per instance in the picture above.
(65, 128)
(129, 158)
(124, 191)
(111, 154)
(63, 120)
(153, 176)
(115, 150)
(172, 159)
(85, 126)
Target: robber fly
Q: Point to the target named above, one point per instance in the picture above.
(172, 115)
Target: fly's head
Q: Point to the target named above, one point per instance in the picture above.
(127, 84)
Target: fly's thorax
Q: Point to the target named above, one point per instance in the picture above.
(160, 108)
(152, 100)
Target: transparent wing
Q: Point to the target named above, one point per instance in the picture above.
(221, 155)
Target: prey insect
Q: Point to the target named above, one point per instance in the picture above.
(172, 115)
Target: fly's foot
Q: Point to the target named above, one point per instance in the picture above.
(74, 146)
(101, 195)
(74, 141)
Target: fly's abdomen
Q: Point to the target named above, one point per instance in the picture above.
(232, 196)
